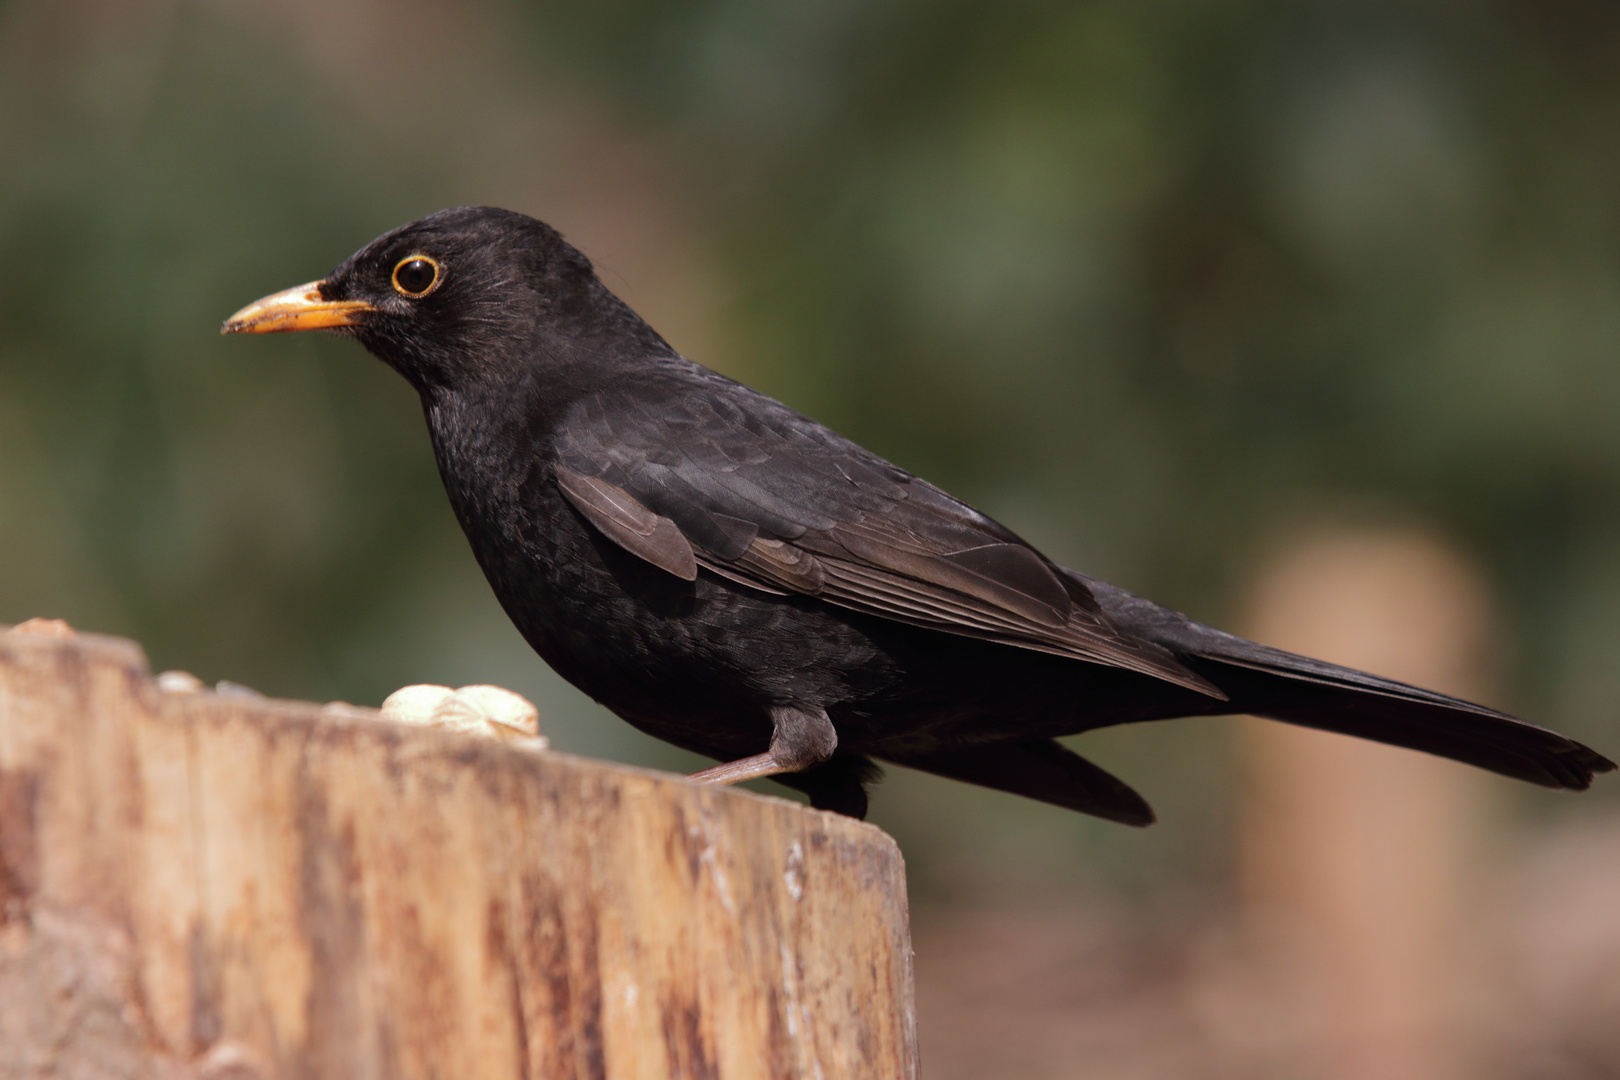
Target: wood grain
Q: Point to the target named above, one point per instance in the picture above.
(194, 885)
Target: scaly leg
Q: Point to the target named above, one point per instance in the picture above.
(802, 738)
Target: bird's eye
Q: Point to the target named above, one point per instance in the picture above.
(416, 275)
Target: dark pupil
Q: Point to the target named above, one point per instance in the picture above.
(415, 276)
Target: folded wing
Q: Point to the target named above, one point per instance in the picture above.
(694, 466)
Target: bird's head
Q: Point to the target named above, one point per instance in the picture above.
(473, 294)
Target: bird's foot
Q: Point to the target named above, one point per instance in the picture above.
(733, 772)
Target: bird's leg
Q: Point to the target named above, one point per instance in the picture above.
(802, 738)
(735, 772)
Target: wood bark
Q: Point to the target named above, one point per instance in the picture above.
(200, 885)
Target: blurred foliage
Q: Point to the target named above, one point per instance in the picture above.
(1144, 280)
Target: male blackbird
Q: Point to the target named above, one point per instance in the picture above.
(729, 575)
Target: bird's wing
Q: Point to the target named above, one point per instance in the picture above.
(767, 497)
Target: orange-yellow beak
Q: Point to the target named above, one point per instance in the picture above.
(297, 308)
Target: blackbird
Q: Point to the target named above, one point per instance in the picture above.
(731, 576)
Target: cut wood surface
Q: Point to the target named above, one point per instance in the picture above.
(201, 885)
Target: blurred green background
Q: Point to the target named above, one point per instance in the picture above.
(1145, 280)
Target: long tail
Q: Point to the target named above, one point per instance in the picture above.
(1296, 689)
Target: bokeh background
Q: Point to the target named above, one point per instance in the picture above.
(1302, 316)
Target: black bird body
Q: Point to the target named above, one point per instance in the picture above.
(730, 576)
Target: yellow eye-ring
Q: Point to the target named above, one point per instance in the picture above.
(416, 275)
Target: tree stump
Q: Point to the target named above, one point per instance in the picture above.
(200, 885)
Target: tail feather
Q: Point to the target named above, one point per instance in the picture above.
(1037, 769)
(1299, 690)
(1313, 693)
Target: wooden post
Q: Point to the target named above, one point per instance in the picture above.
(198, 885)
(1355, 856)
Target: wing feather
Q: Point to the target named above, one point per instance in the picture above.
(629, 524)
(765, 497)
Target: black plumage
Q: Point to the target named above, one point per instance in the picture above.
(737, 579)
